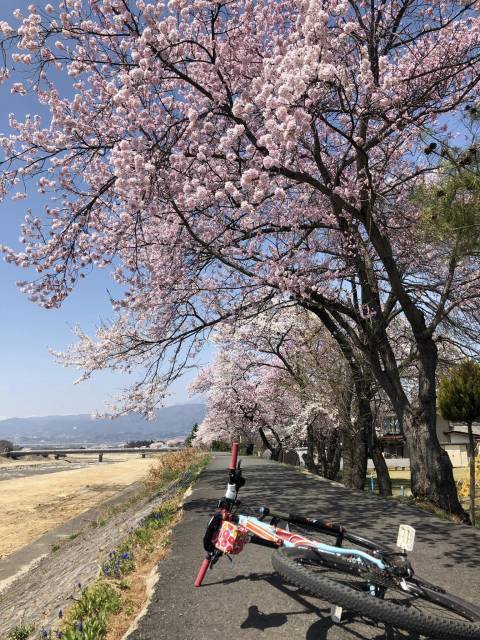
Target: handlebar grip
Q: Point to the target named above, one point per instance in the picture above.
(265, 511)
(202, 572)
(233, 459)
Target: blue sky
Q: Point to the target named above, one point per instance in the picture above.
(30, 381)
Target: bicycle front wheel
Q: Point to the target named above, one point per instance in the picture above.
(446, 618)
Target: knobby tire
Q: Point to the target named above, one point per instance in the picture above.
(287, 562)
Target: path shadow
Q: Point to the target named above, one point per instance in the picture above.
(372, 516)
(440, 546)
(256, 619)
(358, 627)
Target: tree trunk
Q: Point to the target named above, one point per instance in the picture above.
(430, 466)
(354, 472)
(383, 475)
(471, 460)
(431, 469)
(363, 390)
(275, 451)
(329, 448)
(309, 457)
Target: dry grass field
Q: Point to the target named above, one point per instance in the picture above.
(31, 506)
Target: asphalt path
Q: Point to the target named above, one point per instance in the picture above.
(248, 600)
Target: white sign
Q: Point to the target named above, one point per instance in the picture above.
(336, 613)
(406, 537)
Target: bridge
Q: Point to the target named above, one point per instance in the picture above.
(61, 453)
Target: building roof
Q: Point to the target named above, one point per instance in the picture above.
(458, 427)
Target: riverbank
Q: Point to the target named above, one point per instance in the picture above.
(38, 502)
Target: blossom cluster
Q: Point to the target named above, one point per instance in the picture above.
(213, 155)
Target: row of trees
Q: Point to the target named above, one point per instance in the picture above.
(281, 380)
(227, 159)
(459, 400)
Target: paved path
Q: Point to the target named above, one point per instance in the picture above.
(249, 601)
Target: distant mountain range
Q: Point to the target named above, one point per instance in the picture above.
(171, 422)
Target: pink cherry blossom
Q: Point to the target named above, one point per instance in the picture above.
(217, 155)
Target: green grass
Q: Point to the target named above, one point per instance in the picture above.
(88, 618)
(402, 478)
(121, 560)
(21, 632)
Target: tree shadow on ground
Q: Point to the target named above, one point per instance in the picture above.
(372, 516)
(356, 626)
(440, 545)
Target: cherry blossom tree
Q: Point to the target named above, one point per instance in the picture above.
(284, 368)
(247, 403)
(216, 154)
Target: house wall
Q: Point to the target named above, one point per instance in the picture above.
(394, 449)
(457, 453)
(459, 438)
(455, 444)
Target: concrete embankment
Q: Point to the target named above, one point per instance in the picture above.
(46, 584)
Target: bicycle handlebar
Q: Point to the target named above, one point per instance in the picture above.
(235, 482)
(234, 456)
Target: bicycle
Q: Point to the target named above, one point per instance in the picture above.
(366, 578)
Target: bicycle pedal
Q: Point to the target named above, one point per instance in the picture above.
(336, 613)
